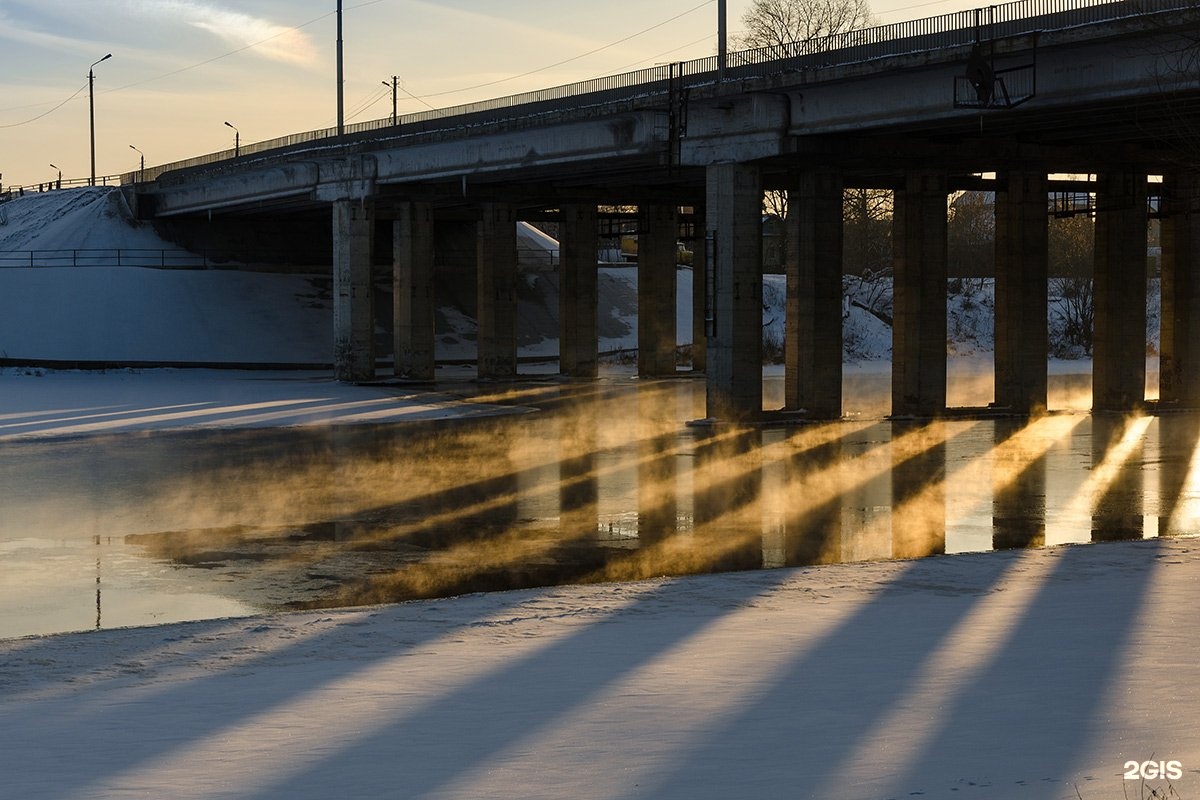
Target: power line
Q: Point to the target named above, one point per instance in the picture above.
(47, 113)
(573, 58)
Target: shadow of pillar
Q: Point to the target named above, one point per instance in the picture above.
(1117, 512)
(657, 473)
(579, 487)
(1018, 493)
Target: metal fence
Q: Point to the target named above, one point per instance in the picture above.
(132, 257)
(914, 36)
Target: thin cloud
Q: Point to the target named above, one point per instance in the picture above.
(271, 40)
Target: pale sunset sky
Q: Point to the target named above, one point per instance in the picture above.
(182, 68)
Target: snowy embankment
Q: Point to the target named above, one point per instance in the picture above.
(1020, 674)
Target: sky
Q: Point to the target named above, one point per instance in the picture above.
(181, 69)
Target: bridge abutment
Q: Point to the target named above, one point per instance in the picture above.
(919, 253)
(413, 300)
(578, 292)
(497, 303)
(353, 300)
(658, 233)
(1119, 340)
(813, 347)
(734, 228)
(1021, 335)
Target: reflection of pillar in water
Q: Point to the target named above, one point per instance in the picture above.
(1018, 493)
(919, 493)
(579, 489)
(657, 503)
(1179, 486)
(813, 529)
(1117, 512)
(728, 499)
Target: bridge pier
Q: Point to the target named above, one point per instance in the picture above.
(813, 347)
(578, 292)
(919, 254)
(1022, 272)
(699, 295)
(412, 291)
(353, 298)
(734, 229)
(1119, 340)
(497, 293)
(658, 234)
(1179, 364)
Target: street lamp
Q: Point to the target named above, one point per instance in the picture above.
(237, 141)
(59, 184)
(92, 114)
(393, 83)
(142, 168)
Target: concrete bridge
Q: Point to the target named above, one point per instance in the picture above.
(998, 98)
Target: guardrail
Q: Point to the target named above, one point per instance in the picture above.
(10, 192)
(133, 257)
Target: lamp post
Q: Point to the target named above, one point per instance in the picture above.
(92, 114)
(142, 168)
(722, 40)
(395, 80)
(59, 184)
(341, 83)
(237, 141)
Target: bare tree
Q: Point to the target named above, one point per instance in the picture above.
(770, 23)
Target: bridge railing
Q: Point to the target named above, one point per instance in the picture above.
(913, 36)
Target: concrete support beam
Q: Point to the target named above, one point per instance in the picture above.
(919, 296)
(497, 300)
(1021, 295)
(734, 227)
(412, 291)
(658, 234)
(578, 292)
(699, 298)
(353, 298)
(1119, 339)
(813, 347)
(1179, 366)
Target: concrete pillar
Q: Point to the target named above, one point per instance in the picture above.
(1119, 339)
(1022, 272)
(813, 348)
(658, 234)
(412, 291)
(734, 228)
(919, 296)
(578, 292)
(353, 298)
(699, 297)
(497, 301)
(1179, 365)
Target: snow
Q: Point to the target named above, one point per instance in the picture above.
(1005, 675)
(1014, 674)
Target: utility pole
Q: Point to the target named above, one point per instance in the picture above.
(722, 40)
(393, 84)
(341, 107)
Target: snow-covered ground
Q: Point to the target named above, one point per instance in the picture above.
(1017, 674)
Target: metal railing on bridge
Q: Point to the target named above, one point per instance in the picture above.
(957, 29)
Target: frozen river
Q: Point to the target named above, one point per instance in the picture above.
(605, 482)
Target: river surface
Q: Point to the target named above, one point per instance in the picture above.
(603, 481)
